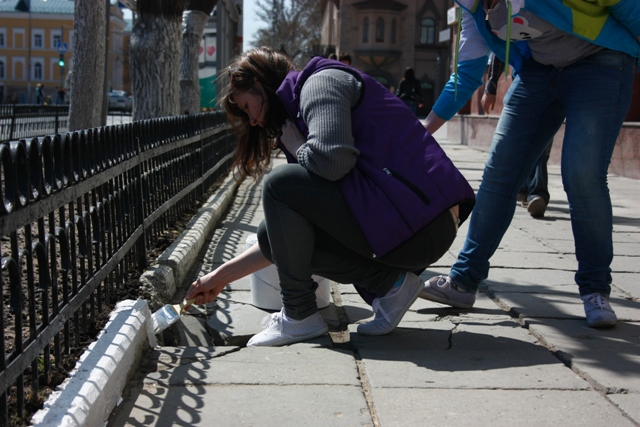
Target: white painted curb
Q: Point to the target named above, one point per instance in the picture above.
(95, 385)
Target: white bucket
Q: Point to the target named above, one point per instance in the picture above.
(265, 286)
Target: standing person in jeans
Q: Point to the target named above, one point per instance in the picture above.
(574, 61)
(353, 149)
(409, 90)
(534, 193)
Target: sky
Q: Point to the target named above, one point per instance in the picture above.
(250, 23)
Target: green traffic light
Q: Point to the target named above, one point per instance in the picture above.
(61, 61)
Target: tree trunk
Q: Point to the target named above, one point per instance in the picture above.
(88, 65)
(155, 59)
(194, 21)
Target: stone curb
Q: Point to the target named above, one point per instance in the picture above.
(175, 263)
(95, 385)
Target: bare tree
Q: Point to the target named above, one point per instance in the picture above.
(87, 77)
(293, 26)
(194, 20)
(156, 45)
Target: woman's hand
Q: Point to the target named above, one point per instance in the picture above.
(205, 289)
(291, 138)
(488, 102)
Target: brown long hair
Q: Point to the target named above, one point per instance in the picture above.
(253, 151)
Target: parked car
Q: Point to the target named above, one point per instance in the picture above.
(120, 100)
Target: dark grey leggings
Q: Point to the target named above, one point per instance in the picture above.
(309, 229)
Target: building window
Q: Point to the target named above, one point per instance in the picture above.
(365, 31)
(37, 71)
(37, 41)
(57, 39)
(380, 30)
(393, 30)
(2, 68)
(427, 31)
(3, 37)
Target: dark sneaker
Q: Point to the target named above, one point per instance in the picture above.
(281, 331)
(537, 206)
(390, 309)
(598, 311)
(442, 289)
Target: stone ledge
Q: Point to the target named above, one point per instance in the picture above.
(95, 385)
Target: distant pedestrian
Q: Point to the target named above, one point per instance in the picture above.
(60, 92)
(410, 90)
(345, 58)
(39, 94)
(333, 56)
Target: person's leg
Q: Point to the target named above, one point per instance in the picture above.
(295, 203)
(596, 93)
(303, 213)
(309, 229)
(537, 185)
(529, 120)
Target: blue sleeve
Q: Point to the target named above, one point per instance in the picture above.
(627, 12)
(469, 75)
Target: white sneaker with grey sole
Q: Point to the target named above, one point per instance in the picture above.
(390, 308)
(598, 311)
(279, 330)
(442, 289)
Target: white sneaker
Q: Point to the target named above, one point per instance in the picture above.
(598, 311)
(279, 330)
(442, 289)
(390, 309)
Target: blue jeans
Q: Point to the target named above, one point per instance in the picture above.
(593, 95)
(413, 105)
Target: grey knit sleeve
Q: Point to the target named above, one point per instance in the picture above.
(325, 103)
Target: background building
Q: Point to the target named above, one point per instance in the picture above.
(383, 37)
(36, 34)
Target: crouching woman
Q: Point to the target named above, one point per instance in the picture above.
(368, 197)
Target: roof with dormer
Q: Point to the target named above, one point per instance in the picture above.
(38, 6)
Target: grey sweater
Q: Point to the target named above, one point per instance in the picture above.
(326, 100)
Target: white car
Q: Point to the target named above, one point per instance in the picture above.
(119, 100)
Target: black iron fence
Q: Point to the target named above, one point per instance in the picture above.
(27, 121)
(77, 214)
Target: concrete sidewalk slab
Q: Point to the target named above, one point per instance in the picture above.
(522, 355)
(248, 405)
(468, 355)
(400, 407)
(608, 358)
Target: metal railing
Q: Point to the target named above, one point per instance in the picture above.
(28, 121)
(77, 214)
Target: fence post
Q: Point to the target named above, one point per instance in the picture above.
(13, 122)
(142, 242)
(57, 113)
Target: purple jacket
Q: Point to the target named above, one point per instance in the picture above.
(402, 179)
